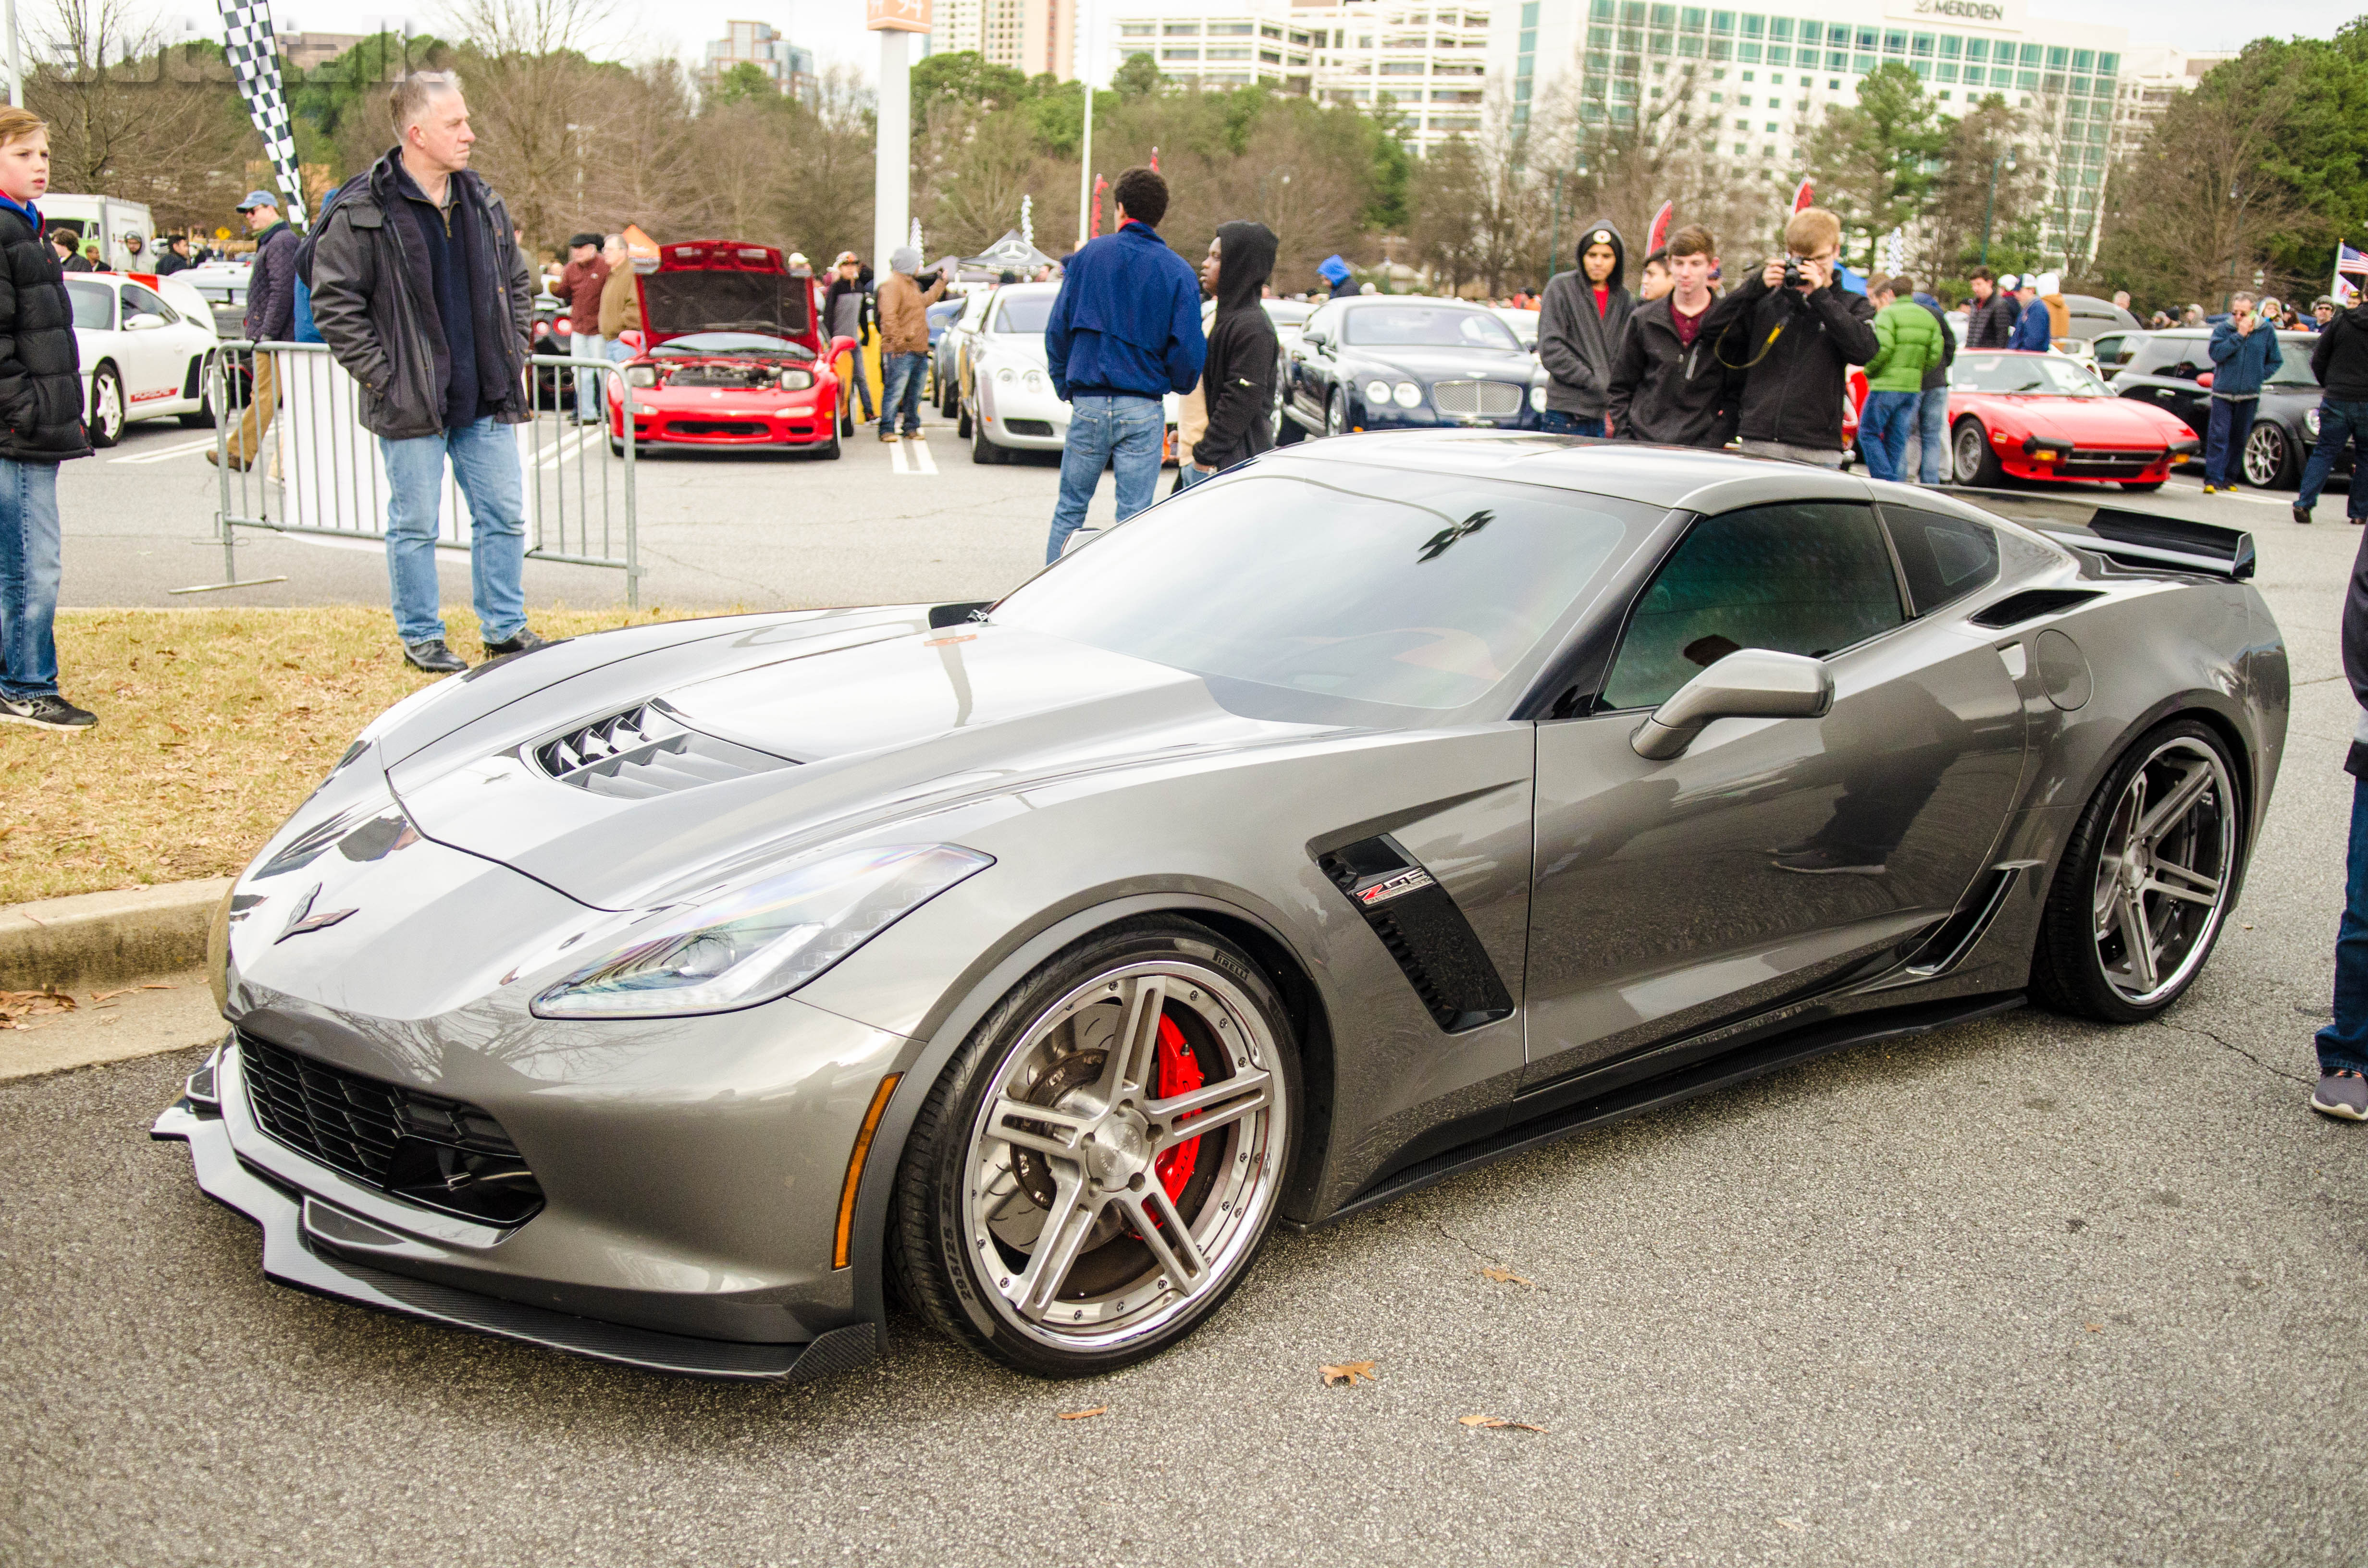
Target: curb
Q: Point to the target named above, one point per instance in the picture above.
(94, 938)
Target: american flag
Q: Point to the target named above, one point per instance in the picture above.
(254, 60)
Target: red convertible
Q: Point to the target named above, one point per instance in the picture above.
(732, 355)
(2028, 416)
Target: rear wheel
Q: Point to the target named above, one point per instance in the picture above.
(105, 423)
(2145, 883)
(2269, 458)
(1098, 1168)
(1971, 461)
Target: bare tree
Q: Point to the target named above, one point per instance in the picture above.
(2187, 217)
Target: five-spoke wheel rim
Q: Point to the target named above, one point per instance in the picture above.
(109, 398)
(2265, 454)
(2164, 871)
(1124, 1158)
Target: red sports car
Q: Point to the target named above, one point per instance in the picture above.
(732, 355)
(2030, 416)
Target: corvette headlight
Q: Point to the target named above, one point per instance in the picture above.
(1377, 392)
(796, 381)
(641, 376)
(1409, 396)
(2310, 422)
(1538, 399)
(762, 940)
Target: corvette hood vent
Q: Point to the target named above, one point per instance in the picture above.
(646, 750)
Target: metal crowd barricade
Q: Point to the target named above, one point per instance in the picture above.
(292, 457)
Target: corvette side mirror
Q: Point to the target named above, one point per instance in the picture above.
(1752, 683)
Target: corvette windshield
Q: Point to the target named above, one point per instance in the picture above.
(756, 344)
(1384, 585)
(1425, 326)
(2042, 373)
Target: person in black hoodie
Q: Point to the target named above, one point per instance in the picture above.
(2340, 360)
(40, 405)
(1666, 386)
(1238, 380)
(1796, 343)
(1580, 324)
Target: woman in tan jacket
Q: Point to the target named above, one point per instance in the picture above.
(621, 300)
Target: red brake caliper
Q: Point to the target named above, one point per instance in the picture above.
(1179, 1073)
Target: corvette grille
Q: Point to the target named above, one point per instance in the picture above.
(1494, 400)
(645, 751)
(445, 1154)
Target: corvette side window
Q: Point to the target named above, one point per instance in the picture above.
(1945, 558)
(1807, 578)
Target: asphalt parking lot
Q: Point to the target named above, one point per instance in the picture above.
(2026, 1291)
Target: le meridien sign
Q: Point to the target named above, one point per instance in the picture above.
(1986, 15)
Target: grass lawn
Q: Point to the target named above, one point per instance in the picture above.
(212, 725)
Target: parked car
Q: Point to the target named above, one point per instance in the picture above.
(1288, 317)
(732, 355)
(2171, 370)
(147, 346)
(1523, 322)
(941, 316)
(223, 285)
(1008, 403)
(1382, 363)
(2046, 416)
(1373, 810)
(949, 360)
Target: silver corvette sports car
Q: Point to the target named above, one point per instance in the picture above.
(1374, 809)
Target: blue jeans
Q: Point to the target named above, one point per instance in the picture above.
(1121, 433)
(592, 347)
(900, 390)
(2338, 422)
(1186, 476)
(1554, 422)
(2343, 1044)
(1934, 463)
(29, 579)
(1883, 427)
(486, 460)
(2223, 439)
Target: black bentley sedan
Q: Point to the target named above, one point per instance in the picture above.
(1399, 361)
(2172, 369)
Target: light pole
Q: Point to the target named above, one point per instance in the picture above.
(2236, 245)
(1990, 206)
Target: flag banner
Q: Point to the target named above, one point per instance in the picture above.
(254, 60)
(2346, 292)
(1101, 185)
(1803, 197)
(2351, 261)
(1659, 235)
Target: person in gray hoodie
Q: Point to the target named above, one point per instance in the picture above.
(1580, 323)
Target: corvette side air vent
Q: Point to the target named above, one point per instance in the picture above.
(2030, 604)
(645, 751)
(1423, 930)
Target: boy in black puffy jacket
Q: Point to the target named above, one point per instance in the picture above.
(41, 426)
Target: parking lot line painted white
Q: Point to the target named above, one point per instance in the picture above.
(920, 451)
(187, 448)
(896, 456)
(2282, 505)
(567, 447)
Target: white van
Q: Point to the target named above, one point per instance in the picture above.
(112, 219)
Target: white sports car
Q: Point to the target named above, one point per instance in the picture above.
(145, 341)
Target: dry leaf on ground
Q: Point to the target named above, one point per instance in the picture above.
(1505, 1276)
(1348, 1374)
(1085, 1414)
(98, 996)
(16, 1006)
(1496, 1421)
(1790, 1524)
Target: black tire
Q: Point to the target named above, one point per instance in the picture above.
(1971, 462)
(1336, 414)
(846, 419)
(982, 450)
(953, 1283)
(617, 447)
(2269, 460)
(2068, 968)
(2147, 487)
(830, 452)
(106, 394)
(965, 425)
(203, 418)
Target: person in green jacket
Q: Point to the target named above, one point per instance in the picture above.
(1911, 344)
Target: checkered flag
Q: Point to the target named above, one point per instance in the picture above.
(254, 60)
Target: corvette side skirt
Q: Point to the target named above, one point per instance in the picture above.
(1737, 1066)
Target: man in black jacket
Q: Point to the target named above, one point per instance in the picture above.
(420, 290)
(847, 308)
(41, 424)
(1580, 323)
(1666, 385)
(1238, 378)
(1794, 344)
(2340, 360)
(1995, 312)
(2343, 1044)
(270, 318)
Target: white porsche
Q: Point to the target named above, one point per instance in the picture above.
(145, 342)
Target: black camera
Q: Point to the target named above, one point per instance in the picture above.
(1793, 278)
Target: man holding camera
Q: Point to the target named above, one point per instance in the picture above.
(1793, 333)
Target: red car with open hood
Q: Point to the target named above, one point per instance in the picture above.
(732, 355)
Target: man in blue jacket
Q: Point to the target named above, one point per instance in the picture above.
(2035, 332)
(1125, 331)
(2244, 353)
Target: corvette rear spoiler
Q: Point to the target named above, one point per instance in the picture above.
(2141, 540)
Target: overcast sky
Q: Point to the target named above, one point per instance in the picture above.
(834, 28)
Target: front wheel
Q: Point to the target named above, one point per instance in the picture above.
(982, 450)
(106, 427)
(1336, 414)
(202, 416)
(1098, 1168)
(2269, 458)
(2142, 487)
(2146, 881)
(1971, 461)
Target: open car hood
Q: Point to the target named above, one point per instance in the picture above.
(725, 286)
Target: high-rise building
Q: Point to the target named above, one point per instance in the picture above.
(1031, 36)
(2152, 76)
(791, 69)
